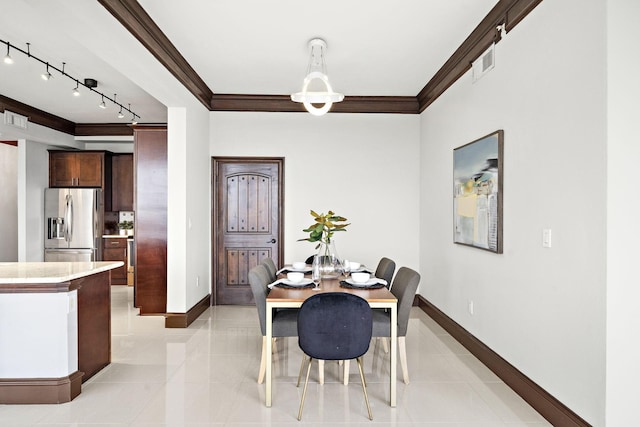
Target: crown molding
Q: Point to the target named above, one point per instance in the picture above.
(283, 103)
(103, 129)
(135, 19)
(508, 12)
(37, 116)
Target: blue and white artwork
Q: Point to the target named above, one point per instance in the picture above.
(477, 193)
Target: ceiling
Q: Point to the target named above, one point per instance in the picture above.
(375, 48)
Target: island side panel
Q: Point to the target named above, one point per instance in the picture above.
(94, 323)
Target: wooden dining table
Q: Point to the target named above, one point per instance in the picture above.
(293, 298)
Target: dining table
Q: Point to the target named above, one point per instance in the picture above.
(293, 297)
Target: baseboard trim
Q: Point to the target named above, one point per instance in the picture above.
(33, 391)
(548, 406)
(183, 320)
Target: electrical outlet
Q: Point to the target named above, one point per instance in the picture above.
(470, 306)
(546, 238)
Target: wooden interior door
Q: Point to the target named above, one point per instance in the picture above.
(247, 223)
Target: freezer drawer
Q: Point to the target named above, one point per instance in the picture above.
(69, 255)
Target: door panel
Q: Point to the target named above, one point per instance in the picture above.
(247, 223)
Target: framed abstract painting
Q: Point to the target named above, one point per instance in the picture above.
(477, 193)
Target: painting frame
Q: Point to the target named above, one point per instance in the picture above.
(478, 178)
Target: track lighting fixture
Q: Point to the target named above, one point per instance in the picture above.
(46, 75)
(90, 84)
(7, 58)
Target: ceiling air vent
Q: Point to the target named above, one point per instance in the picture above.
(484, 63)
(13, 119)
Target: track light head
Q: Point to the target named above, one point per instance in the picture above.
(121, 114)
(7, 58)
(102, 104)
(76, 92)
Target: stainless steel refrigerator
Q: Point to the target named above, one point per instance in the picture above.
(73, 224)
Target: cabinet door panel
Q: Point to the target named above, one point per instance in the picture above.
(90, 171)
(62, 169)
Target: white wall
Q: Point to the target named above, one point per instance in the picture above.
(361, 166)
(542, 309)
(9, 203)
(623, 227)
(189, 217)
(33, 178)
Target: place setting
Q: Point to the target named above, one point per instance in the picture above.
(360, 277)
(294, 280)
(296, 267)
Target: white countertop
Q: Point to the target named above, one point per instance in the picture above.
(51, 272)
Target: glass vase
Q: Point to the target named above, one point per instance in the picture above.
(329, 260)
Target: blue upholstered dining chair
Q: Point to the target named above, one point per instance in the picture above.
(285, 321)
(334, 326)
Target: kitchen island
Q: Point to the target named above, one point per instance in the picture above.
(55, 328)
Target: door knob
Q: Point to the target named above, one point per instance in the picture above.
(272, 241)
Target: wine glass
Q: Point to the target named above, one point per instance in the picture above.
(346, 268)
(315, 273)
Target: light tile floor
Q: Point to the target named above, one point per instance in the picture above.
(205, 375)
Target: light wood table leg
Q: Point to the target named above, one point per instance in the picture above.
(394, 352)
(269, 356)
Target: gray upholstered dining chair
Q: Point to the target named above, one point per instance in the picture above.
(285, 321)
(404, 288)
(271, 268)
(386, 268)
(334, 326)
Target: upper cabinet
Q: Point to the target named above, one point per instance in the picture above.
(77, 169)
(122, 182)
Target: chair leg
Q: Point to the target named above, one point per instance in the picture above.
(304, 359)
(385, 344)
(345, 380)
(263, 361)
(364, 387)
(304, 391)
(321, 372)
(402, 352)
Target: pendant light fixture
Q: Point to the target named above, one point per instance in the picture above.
(46, 75)
(316, 88)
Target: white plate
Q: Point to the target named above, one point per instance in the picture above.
(303, 282)
(372, 281)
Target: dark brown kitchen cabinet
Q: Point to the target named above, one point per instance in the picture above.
(151, 180)
(122, 182)
(76, 169)
(115, 249)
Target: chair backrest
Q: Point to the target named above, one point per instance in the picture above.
(259, 278)
(385, 270)
(404, 288)
(334, 326)
(271, 268)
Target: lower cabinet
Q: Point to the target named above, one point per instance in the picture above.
(115, 249)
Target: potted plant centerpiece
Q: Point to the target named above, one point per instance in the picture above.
(321, 231)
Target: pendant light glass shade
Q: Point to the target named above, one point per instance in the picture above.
(317, 71)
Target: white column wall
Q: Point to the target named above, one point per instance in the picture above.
(189, 207)
(542, 309)
(9, 202)
(362, 166)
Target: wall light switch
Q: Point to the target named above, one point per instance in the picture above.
(546, 238)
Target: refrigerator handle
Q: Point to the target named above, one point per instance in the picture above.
(68, 218)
